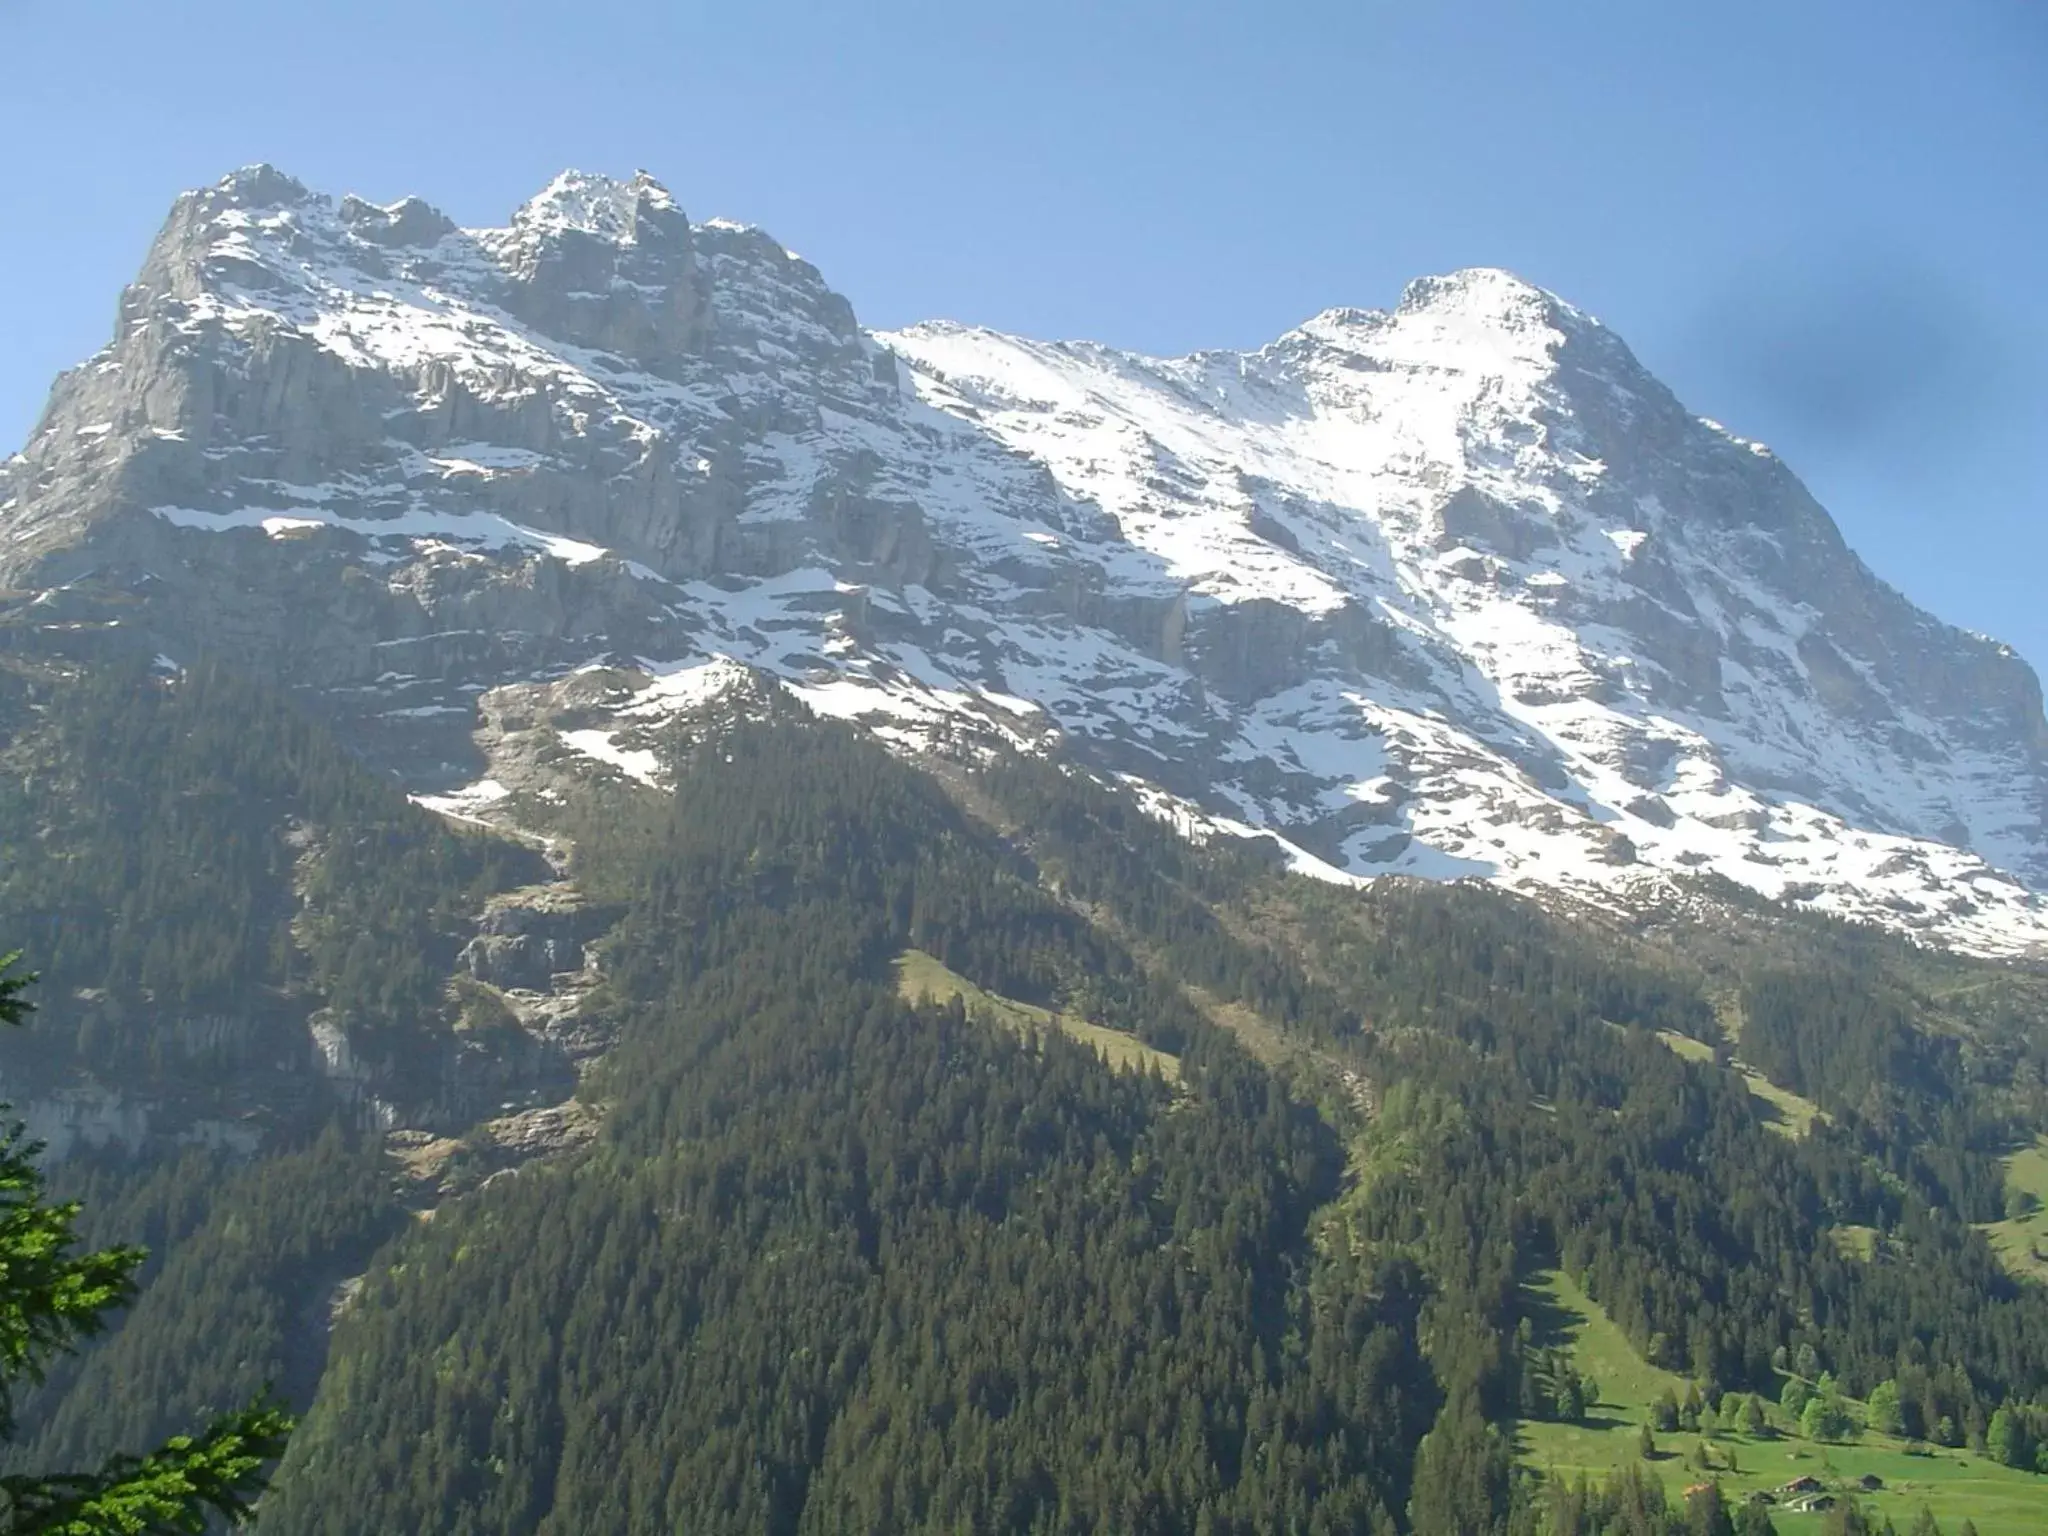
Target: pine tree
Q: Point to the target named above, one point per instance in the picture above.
(2005, 1440)
(1664, 1412)
(1689, 1411)
(1706, 1513)
(1753, 1422)
(50, 1299)
(1461, 1474)
(1826, 1419)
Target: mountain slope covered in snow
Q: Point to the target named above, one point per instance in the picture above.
(1451, 589)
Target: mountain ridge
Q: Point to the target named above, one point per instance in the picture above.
(1455, 588)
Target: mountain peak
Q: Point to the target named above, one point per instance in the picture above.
(611, 209)
(411, 221)
(1481, 293)
(1435, 312)
(261, 185)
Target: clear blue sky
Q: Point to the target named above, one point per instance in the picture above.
(1823, 222)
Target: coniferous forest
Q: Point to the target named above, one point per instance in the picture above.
(840, 1258)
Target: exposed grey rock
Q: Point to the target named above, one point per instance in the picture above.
(528, 938)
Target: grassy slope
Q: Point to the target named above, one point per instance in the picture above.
(2025, 1171)
(921, 976)
(1789, 1114)
(1954, 1484)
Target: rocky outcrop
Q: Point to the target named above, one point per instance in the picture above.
(526, 939)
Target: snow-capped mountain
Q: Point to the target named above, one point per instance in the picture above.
(1451, 589)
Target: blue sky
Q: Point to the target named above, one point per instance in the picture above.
(1823, 223)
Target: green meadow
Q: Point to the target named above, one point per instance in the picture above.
(921, 977)
(2022, 1240)
(1956, 1485)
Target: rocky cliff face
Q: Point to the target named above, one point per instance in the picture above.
(1453, 589)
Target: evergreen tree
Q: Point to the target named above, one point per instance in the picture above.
(1825, 1418)
(1570, 1408)
(1461, 1476)
(1664, 1412)
(1706, 1513)
(1753, 1421)
(51, 1297)
(2005, 1439)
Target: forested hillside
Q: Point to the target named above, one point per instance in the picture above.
(837, 1260)
(195, 868)
(840, 1263)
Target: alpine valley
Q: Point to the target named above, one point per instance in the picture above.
(679, 915)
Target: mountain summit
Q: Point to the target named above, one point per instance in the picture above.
(1454, 589)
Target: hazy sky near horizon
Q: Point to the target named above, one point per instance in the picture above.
(1824, 224)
